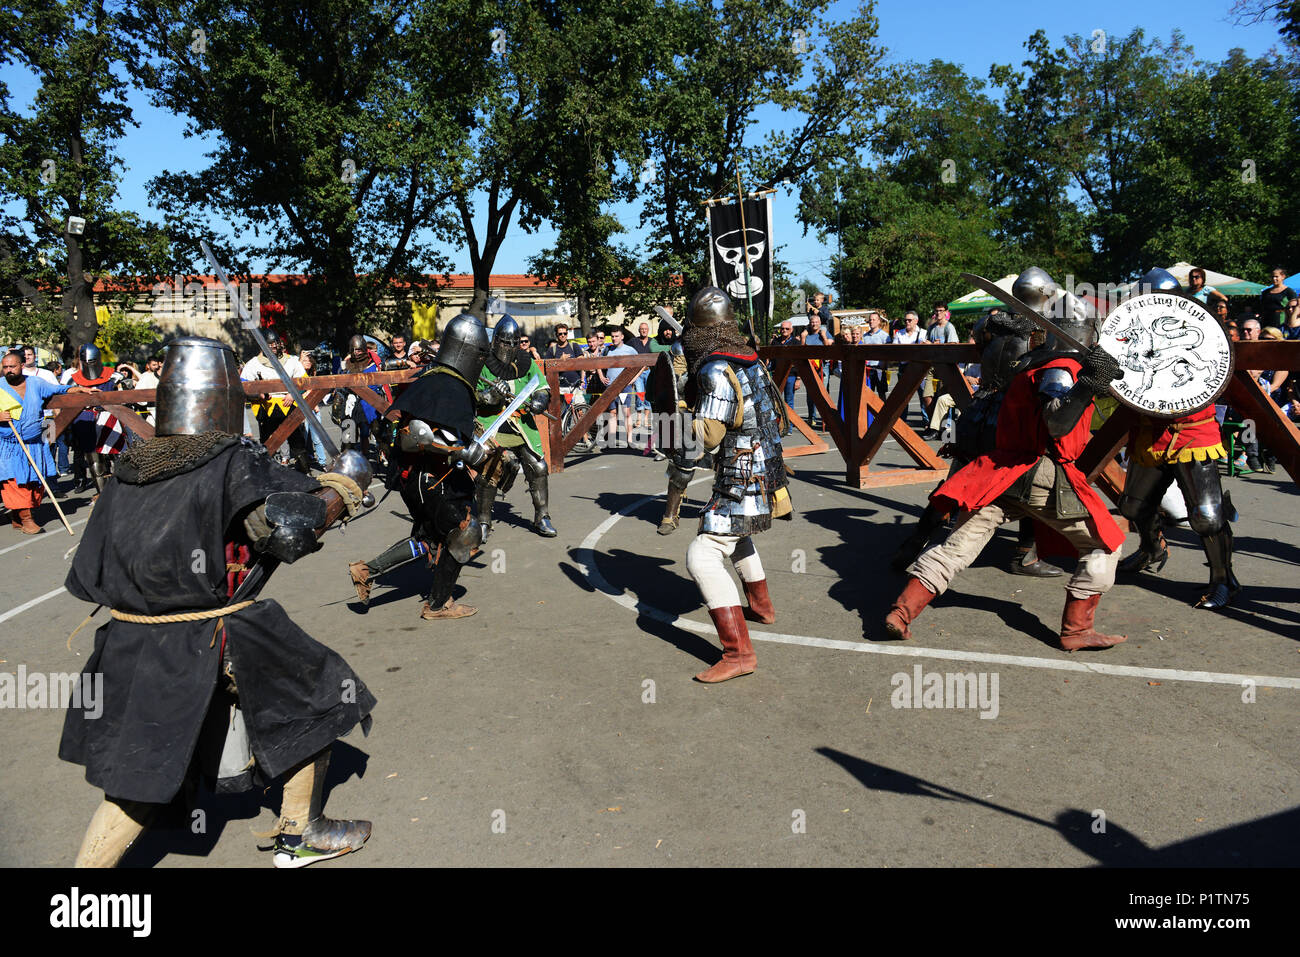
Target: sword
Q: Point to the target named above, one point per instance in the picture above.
(663, 314)
(482, 440)
(1023, 309)
(309, 416)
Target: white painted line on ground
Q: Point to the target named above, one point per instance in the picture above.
(47, 536)
(35, 601)
(588, 559)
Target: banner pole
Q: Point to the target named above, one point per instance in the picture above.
(744, 240)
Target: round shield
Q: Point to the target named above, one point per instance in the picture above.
(1176, 357)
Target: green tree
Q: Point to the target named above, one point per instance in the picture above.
(58, 165)
(730, 62)
(593, 101)
(336, 128)
(1218, 167)
(928, 210)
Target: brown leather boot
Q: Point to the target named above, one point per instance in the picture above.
(738, 656)
(453, 609)
(760, 602)
(360, 574)
(906, 607)
(28, 526)
(1076, 625)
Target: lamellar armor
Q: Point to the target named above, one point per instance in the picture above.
(750, 472)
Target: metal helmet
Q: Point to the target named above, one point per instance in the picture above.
(1158, 280)
(199, 389)
(358, 342)
(90, 361)
(505, 339)
(464, 346)
(1036, 289)
(711, 307)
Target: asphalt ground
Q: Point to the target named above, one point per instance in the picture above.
(560, 725)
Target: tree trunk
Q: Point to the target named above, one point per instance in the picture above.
(78, 299)
(584, 315)
(478, 304)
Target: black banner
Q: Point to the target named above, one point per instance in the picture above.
(727, 247)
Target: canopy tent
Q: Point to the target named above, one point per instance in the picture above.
(1228, 285)
(1292, 281)
(979, 299)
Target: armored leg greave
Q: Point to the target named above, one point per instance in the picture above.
(397, 554)
(1140, 503)
(678, 479)
(539, 489)
(445, 572)
(102, 467)
(485, 496)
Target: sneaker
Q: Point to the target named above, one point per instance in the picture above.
(322, 840)
(1253, 462)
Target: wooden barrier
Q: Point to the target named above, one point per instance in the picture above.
(857, 444)
(558, 441)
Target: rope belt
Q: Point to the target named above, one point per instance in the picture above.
(183, 616)
(217, 613)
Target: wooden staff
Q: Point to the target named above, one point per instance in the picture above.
(41, 476)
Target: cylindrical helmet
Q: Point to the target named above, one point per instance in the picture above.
(505, 339)
(1158, 280)
(710, 307)
(90, 361)
(199, 389)
(464, 346)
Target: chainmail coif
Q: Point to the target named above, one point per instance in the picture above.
(700, 342)
(165, 456)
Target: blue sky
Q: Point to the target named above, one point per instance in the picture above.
(973, 35)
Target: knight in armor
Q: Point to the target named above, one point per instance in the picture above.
(356, 417)
(1043, 427)
(97, 436)
(667, 388)
(200, 677)
(518, 442)
(1004, 339)
(1185, 451)
(435, 449)
(739, 418)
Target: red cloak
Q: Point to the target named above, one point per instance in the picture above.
(1022, 439)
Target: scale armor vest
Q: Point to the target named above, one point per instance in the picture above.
(748, 466)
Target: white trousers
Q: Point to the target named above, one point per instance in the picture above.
(705, 561)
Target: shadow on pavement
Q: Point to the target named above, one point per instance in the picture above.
(174, 832)
(1263, 842)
